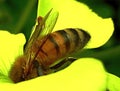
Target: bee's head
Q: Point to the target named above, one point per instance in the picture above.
(22, 71)
(17, 70)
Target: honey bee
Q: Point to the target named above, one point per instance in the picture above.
(44, 49)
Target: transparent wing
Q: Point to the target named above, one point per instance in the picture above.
(44, 27)
(49, 22)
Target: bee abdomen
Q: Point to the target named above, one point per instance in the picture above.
(74, 39)
(62, 43)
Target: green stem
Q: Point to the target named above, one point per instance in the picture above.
(24, 15)
(111, 54)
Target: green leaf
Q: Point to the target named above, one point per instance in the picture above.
(73, 14)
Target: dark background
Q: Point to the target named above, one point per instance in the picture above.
(20, 16)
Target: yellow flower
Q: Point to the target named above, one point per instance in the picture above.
(85, 74)
(77, 15)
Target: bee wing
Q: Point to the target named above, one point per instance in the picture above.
(43, 28)
(49, 22)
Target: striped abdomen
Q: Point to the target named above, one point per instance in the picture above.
(60, 44)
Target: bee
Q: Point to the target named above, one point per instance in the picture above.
(45, 49)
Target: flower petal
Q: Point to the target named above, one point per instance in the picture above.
(73, 14)
(11, 46)
(113, 82)
(85, 74)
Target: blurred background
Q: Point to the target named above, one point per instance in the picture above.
(20, 15)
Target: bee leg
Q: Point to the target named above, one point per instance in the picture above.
(40, 71)
(63, 64)
(39, 68)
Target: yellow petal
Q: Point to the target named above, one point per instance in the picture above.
(11, 46)
(73, 14)
(86, 74)
(113, 82)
